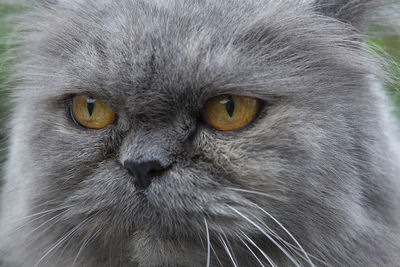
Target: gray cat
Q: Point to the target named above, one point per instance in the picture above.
(202, 133)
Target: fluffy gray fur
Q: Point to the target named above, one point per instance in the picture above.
(320, 162)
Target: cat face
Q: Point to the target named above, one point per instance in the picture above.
(290, 173)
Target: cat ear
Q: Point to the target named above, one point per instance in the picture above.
(363, 14)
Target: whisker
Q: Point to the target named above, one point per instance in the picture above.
(47, 221)
(30, 221)
(290, 246)
(229, 245)
(227, 250)
(65, 246)
(300, 254)
(208, 243)
(40, 226)
(59, 242)
(199, 234)
(216, 256)
(295, 262)
(259, 249)
(280, 239)
(254, 192)
(287, 231)
(251, 251)
(43, 213)
(201, 241)
(84, 244)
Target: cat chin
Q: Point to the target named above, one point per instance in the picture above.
(149, 249)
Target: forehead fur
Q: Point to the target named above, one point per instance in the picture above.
(263, 46)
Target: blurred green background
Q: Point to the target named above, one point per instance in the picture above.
(4, 71)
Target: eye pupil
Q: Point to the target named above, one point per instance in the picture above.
(90, 112)
(230, 112)
(90, 105)
(229, 106)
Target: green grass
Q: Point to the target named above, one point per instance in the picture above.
(5, 29)
(392, 46)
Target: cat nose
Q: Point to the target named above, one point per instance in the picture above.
(144, 172)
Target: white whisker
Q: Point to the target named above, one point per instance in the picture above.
(43, 213)
(58, 217)
(287, 231)
(278, 238)
(208, 243)
(300, 254)
(251, 251)
(216, 256)
(201, 241)
(290, 246)
(295, 262)
(65, 246)
(35, 217)
(259, 249)
(227, 250)
(47, 221)
(59, 242)
(84, 244)
(229, 245)
(254, 192)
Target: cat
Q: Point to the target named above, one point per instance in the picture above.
(202, 133)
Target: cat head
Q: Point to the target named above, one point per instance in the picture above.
(159, 178)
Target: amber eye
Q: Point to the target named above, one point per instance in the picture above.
(230, 112)
(92, 112)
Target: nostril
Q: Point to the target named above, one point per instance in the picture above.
(130, 167)
(144, 172)
(154, 166)
(154, 172)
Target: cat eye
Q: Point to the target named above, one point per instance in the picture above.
(230, 112)
(91, 112)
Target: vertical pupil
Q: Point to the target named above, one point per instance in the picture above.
(230, 106)
(90, 105)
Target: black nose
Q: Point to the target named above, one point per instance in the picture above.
(144, 172)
